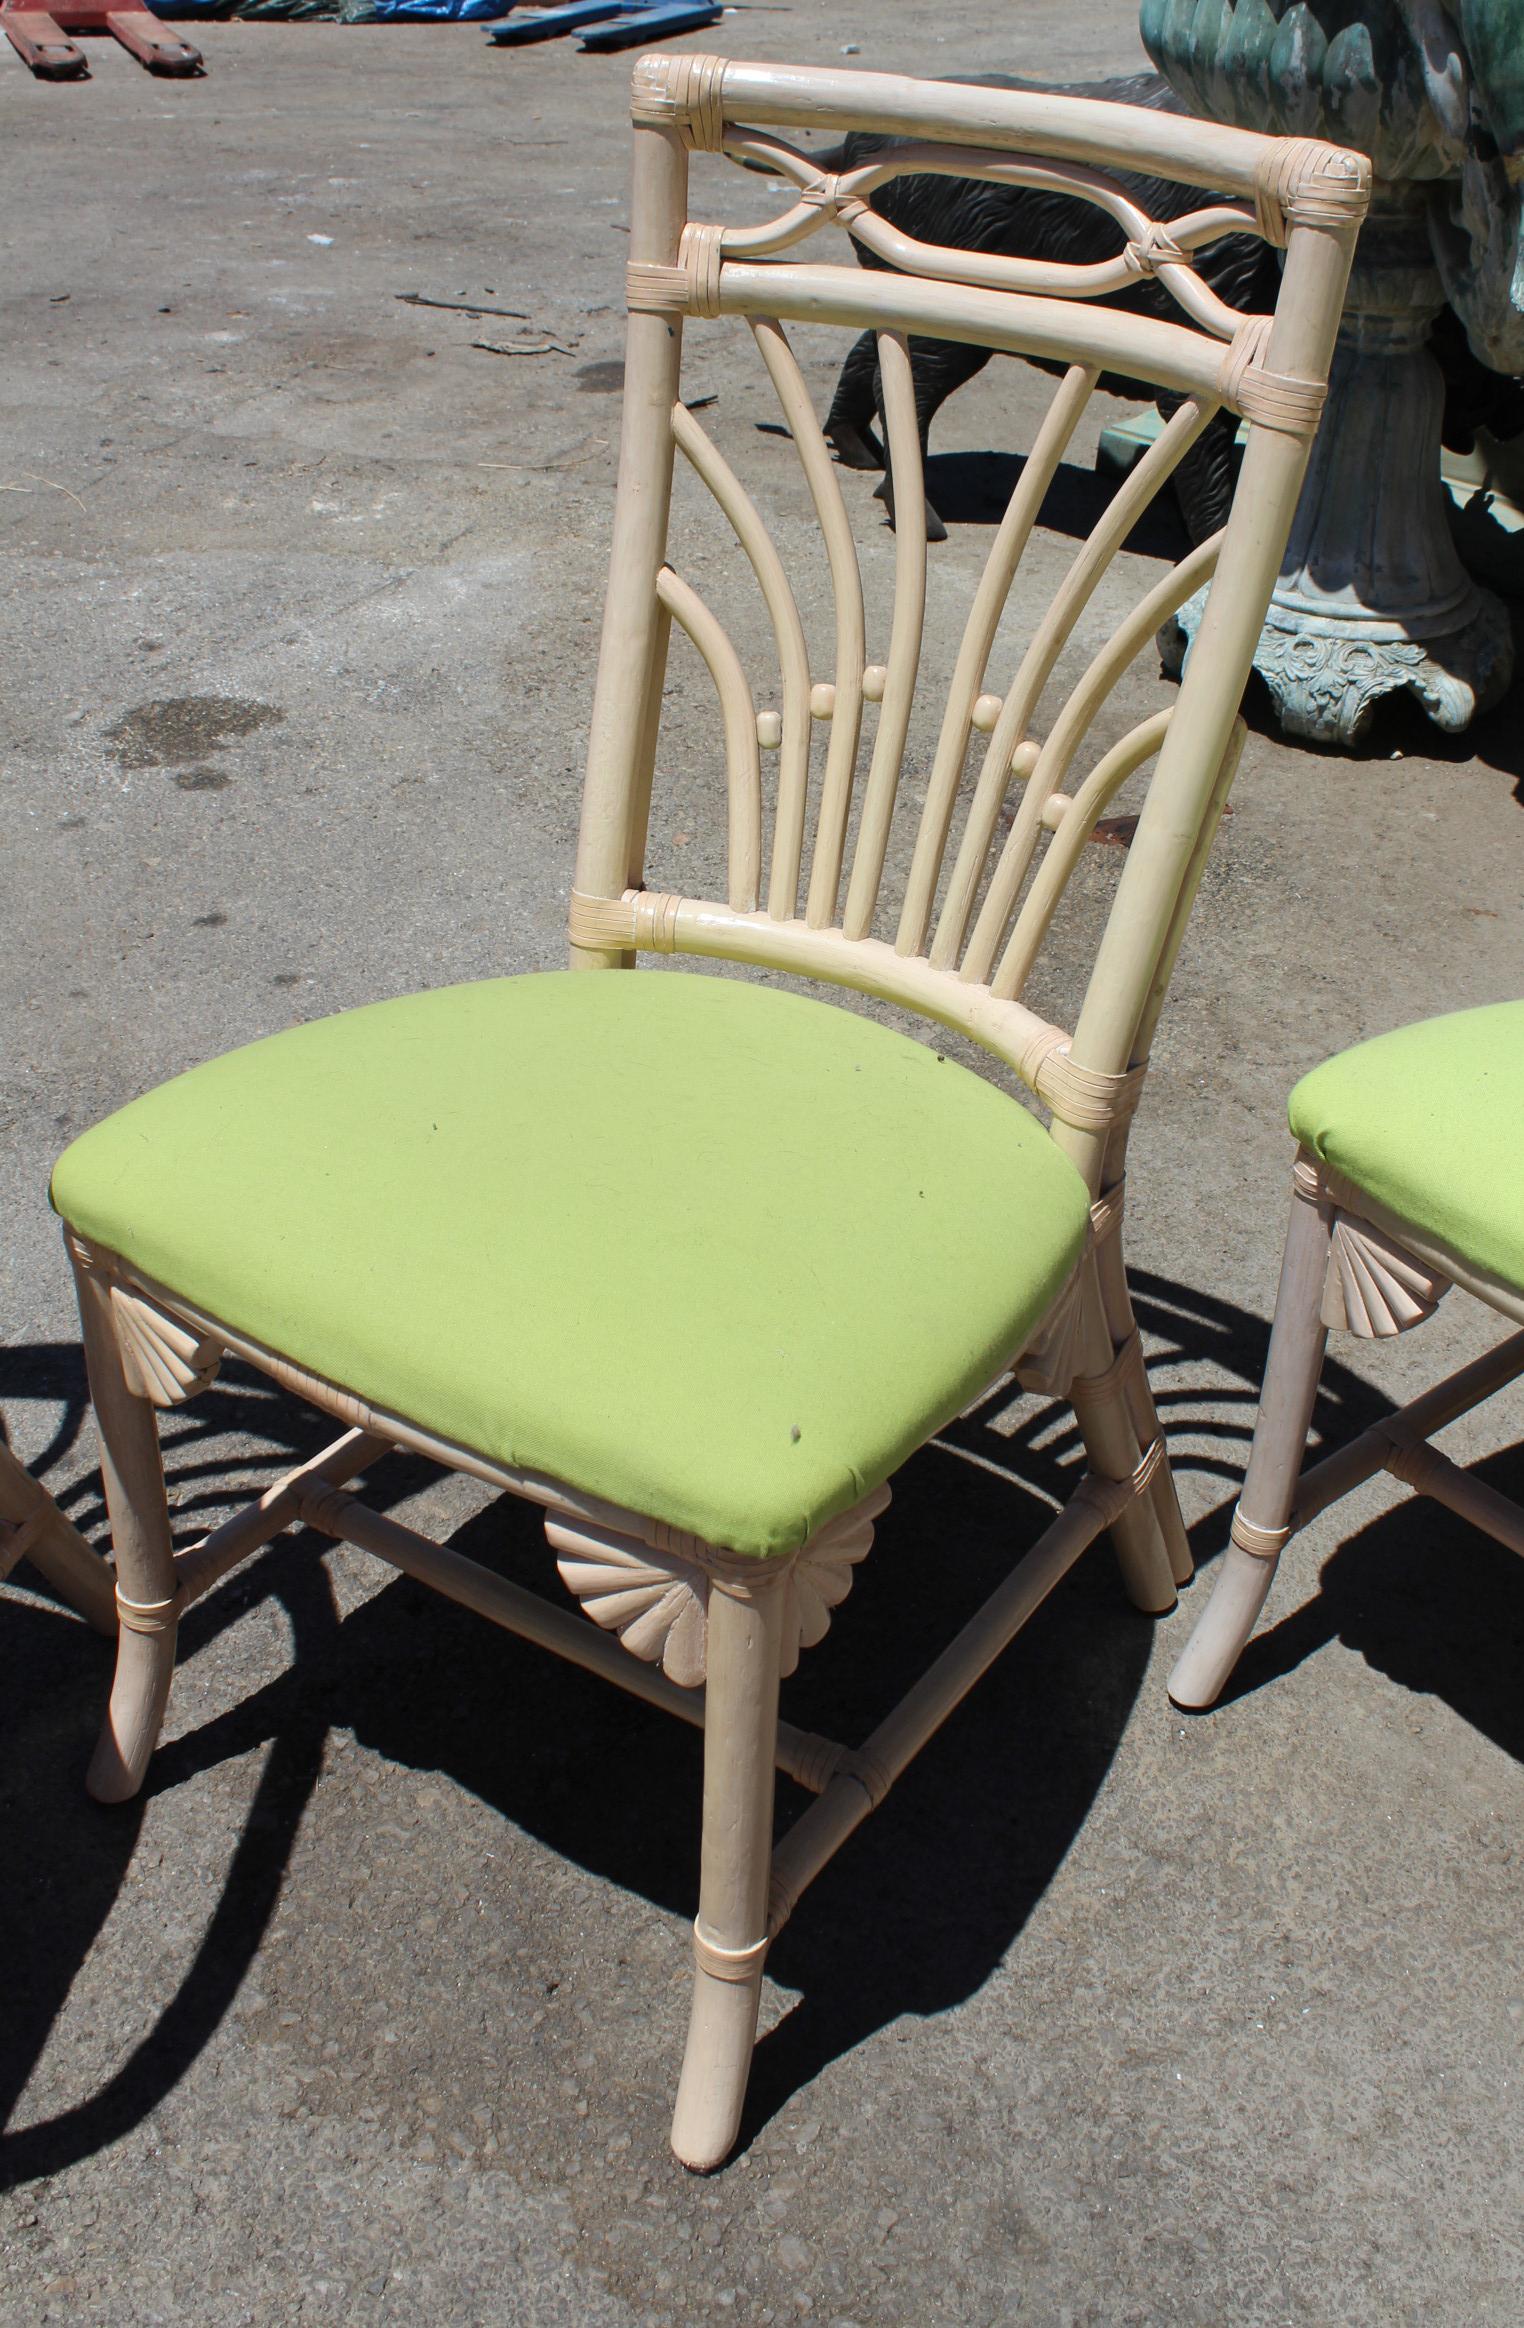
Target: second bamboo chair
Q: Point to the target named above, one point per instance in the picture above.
(1408, 1181)
(690, 1262)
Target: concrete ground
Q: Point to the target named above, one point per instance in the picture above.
(371, 2008)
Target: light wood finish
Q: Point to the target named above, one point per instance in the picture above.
(863, 1779)
(808, 1758)
(1342, 1271)
(33, 1528)
(730, 1935)
(1262, 1522)
(832, 874)
(631, 661)
(657, 1601)
(967, 707)
(148, 1595)
(206, 1562)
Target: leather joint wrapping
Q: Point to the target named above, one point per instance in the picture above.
(1277, 400)
(736, 1964)
(1155, 248)
(148, 1616)
(692, 287)
(1307, 1180)
(1086, 1098)
(653, 290)
(642, 917)
(1106, 1384)
(781, 1903)
(1413, 1461)
(682, 93)
(1106, 1212)
(870, 1775)
(825, 195)
(816, 1761)
(325, 1508)
(1302, 182)
(1263, 1543)
(1147, 1466)
(83, 1256)
(698, 255)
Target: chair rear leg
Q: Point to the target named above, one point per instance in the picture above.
(1116, 1300)
(1263, 1521)
(147, 1589)
(1103, 1409)
(730, 1935)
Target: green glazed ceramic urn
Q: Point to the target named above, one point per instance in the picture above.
(1373, 596)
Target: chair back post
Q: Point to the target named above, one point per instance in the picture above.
(632, 654)
(1321, 216)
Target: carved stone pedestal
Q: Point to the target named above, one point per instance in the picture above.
(1373, 596)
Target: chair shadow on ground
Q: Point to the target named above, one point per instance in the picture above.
(927, 1899)
(974, 489)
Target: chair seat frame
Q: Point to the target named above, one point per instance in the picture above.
(1355, 1266)
(693, 1612)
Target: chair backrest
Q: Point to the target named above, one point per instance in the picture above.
(806, 884)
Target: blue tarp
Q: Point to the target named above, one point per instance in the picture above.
(533, 25)
(552, 23)
(435, 11)
(628, 30)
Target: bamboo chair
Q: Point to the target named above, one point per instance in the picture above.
(682, 1191)
(1406, 1183)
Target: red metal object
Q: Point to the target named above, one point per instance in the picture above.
(40, 36)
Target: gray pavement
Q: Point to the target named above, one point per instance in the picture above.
(370, 2010)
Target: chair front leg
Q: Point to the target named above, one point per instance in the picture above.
(147, 1590)
(1263, 1521)
(730, 1936)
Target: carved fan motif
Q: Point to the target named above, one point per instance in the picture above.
(821, 1578)
(658, 1609)
(165, 1361)
(658, 1603)
(1375, 1288)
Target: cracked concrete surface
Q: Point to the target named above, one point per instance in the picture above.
(371, 2008)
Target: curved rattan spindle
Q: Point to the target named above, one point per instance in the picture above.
(1077, 822)
(905, 633)
(992, 271)
(743, 769)
(846, 704)
(645, 763)
(746, 523)
(1058, 752)
(1154, 246)
(1106, 666)
(1049, 446)
(1048, 641)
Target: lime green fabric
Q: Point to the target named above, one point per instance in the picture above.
(720, 1253)
(1429, 1121)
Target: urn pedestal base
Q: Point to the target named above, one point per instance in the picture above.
(1373, 597)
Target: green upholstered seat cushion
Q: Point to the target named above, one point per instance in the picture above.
(720, 1253)
(1429, 1122)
